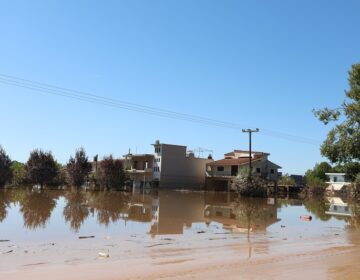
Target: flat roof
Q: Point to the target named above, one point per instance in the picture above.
(159, 144)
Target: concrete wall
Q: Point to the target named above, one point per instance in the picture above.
(264, 165)
(177, 170)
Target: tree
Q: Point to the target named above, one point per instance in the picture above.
(110, 173)
(343, 141)
(5, 168)
(78, 168)
(18, 173)
(41, 168)
(319, 171)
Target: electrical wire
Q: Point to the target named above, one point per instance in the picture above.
(97, 99)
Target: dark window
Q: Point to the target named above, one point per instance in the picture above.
(258, 170)
(135, 163)
(272, 171)
(335, 179)
(220, 168)
(335, 207)
(218, 214)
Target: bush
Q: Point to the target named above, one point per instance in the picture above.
(286, 180)
(250, 186)
(315, 185)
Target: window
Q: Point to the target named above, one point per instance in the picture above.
(272, 171)
(145, 165)
(135, 164)
(157, 150)
(220, 168)
(258, 170)
(335, 179)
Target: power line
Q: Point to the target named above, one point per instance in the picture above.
(97, 99)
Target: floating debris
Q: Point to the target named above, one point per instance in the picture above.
(306, 218)
(8, 252)
(86, 237)
(4, 240)
(104, 255)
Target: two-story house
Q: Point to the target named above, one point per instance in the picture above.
(221, 173)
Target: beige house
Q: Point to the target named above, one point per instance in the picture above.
(221, 173)
(175, 167)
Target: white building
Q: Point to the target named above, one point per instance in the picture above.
(175, 167)
(336, 181)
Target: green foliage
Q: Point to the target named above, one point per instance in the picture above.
(357, 180)
(110, 173)
(78, 168)
(319, 171)
(19, 173)
(286, 180)
(315, 178)
(5, 168)
(343, 141)
(350, 168)
(41, 167)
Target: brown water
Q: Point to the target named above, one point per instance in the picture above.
(43, 227)
(58, 214)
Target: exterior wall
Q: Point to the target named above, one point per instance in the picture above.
(176, 169)
(215, 172)
(139, 172)
(264, 165)
(339, 178)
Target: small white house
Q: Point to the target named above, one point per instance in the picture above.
(336, 181)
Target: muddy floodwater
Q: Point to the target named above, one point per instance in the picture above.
(69, 234)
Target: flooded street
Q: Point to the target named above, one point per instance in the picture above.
(173, 234)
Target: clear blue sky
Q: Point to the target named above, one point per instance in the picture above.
(263, 64)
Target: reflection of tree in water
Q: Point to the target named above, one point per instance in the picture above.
(8, 197)
(317, 206)
(37, 206)
(254, 213)
(76, 210)
(110, 206)
(4, 204)
(354, 220)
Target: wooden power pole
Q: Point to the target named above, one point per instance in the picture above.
(250, 131)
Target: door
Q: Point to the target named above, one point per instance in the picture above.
(234, 170)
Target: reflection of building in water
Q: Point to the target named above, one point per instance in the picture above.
(338, 207)
(143, 208)
(176, 211)
(337, 182)
(243, 214)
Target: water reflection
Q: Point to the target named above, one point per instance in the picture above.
(165, 212)
(36, 207)
(76, 209)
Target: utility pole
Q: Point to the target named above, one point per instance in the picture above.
(250, 131)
